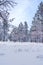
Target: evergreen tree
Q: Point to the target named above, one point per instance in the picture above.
(20, 31)
(26, 31)
(36, 31)
(20, 27)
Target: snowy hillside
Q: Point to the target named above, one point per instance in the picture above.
(21, 53)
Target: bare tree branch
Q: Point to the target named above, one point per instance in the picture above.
(7, 3)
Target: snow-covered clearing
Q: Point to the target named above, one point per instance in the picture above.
(21, 53)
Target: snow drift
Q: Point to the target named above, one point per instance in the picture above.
(12, 53)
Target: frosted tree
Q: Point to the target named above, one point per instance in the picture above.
(36, 30)
(20, 31)
(20, 27)
(23, 32)
(4, 5)
(26, 31)
(1, 30)
(14, 35)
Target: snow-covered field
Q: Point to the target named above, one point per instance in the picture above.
(21, 53)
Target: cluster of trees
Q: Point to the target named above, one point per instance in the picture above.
(20, 33)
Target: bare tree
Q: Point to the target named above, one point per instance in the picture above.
(4, 14)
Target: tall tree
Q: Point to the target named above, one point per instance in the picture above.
(36, 31)
(20, 31)
(26, 30)
(4, 4)
(1, 30)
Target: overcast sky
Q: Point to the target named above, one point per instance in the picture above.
(24, 11)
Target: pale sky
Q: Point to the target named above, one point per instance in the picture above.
(24, 11)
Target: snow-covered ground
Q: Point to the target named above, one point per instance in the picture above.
(21, 53)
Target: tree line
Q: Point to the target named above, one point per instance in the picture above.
(19, 33)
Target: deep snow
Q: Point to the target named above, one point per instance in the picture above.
(21, 53)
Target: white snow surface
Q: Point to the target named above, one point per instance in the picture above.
(12, 53)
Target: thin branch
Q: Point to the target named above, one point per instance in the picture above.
(7, 3)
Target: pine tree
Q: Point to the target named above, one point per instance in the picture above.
(26, 31)
(36, 31)
(20, 32)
